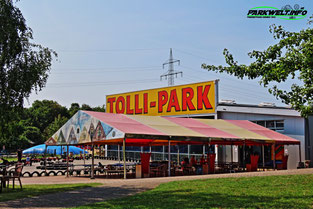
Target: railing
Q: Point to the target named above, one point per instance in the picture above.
(135, 155)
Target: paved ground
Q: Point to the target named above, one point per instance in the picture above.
(112, 188)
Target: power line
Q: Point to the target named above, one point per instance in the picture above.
(99, 70)
(247, 92)
(107, 50)
(192, 54)
(96, 68)
(81, 84)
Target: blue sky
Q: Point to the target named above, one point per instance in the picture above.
(113, 46)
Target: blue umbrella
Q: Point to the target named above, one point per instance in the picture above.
(40, 149)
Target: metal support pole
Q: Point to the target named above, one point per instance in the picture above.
(208, 147)
(178, 161)
(118, 153)
(244, 154)
(216, 97)
(163, 156)
(231, 154)
(263, 159)
(273, 154)
(124, 157)
(300, 153)
(169, 158)
(45, 156)
(188, 146)
(203, 149)
(84, 156)
(67, 161)
(92, 175)
(224, 151)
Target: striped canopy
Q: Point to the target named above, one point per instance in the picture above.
(88, 127)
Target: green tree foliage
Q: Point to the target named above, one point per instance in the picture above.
(24, 66)
(74, 108)
(36, 124)
(85, 107)
(43, 113)
(99, 109)
(55, 125)
(31, 134)
(290, 59)
(20, 135)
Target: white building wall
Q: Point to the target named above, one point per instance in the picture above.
(293, 152)
(293, 127)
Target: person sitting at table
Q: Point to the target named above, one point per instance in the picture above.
(185, 162)
(185, 166)
(193, 161)
(202, 160)
(100, 165)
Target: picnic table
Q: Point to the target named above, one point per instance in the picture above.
(111, 169)
(54, 166)
(118, 168)
(86, 168)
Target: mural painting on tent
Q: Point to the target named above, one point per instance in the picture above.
(60, 139)
(91, 129)
(84, 135)
(72, 138)
(80, 128)
(99, 132)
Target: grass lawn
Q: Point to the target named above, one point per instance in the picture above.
(40, 189)
(294, 191)
(10, 158)
(23, 158)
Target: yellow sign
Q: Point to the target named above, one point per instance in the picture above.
(198, 98)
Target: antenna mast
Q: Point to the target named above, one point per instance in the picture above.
(171, 72)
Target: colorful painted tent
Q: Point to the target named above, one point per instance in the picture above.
(87, 127)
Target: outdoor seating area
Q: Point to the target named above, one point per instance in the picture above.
(259, 148)
(58, 165)
(80, 165)
(115, 170)
(145, 167)
(10, 174)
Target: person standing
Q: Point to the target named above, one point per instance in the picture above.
(28, 160)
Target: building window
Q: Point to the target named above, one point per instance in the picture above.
(275, 125)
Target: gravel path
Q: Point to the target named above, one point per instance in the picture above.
(112, 188)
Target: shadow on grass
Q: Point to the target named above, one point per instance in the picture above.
(253, 192)
(72, 198)
(187, 199)
(34, 190)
